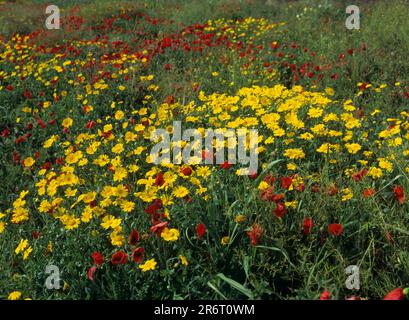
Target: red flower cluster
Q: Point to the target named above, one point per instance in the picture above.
(399, 194)
(200, 229)
(335, 229)
(255, 233)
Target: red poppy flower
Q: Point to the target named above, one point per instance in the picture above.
(369, 192)
(269, 179)
(27, 94)
(158, 228)
(276, 198)
(154, 207)
(170, 100)
(20, 139)
(90, 124)
(187, 171)
(333, 190)
(307, 225)
(187, 199)
(119, 257)
(396, 294)
(41, 123)
(286, 182)
(280, 210)
(5, 133)
(267, 194)
(399, 194)
(138, 255)
(335, 229)
(226, 165)
(253, 176)
(134, 238)
(98, 258)
(159, 180)
(255, 234)
(325, 295)
(16, 157)
(200, 229)
(301, 188)
(60, 161)
(359, 175)
(91, 273)
(35, 234)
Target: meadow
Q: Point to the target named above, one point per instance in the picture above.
(87, 213)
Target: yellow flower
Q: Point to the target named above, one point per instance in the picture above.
(127, 206)
(375, 172)
(306, 136)
(180, 192)
(225, 240)
(263, 186)
(28, 162)
(50, 141)
(88, 197)
(385, 164)
(353, 147)
(315, 112)
(119, 115)
(329, 91)
(170, 234)
(15, 295)
(148, 265)
(183, 260)
(118, 148)
(294, 153)
(117, 238)
(107, 128)
(70, 222)
(21, 246)
(120, 174)
(50, 247)
(240, 218)
(2, 226)
(347, 194)
(110, 221)
(27, 252)
(67, 122)
(291, 166)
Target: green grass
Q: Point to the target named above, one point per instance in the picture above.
(287, 265)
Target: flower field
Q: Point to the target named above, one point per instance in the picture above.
(82, 192)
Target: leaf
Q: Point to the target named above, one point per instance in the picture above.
(211, 285)
(246, 265)
(282, 251)
(234, 284)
